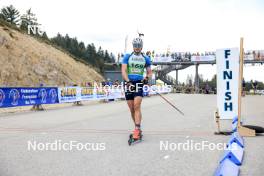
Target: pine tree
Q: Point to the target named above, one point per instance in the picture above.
(107, 57)
(100, 52)
(112, 57)
(1, 16)
(28, 19)
(45, 36)
(89, 54)
(10, 14)
(67, 42)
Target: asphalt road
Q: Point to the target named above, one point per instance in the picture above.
(104, 128)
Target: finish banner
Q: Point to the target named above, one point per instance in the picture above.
(227, 62)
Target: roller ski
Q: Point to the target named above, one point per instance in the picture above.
(136, 137)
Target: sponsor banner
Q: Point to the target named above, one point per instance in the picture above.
(120, 93)
(69, 94)
(258, 55)
(153, 90)
(165, 89)
(146, 90)
(115, 93)
(254, 55)
(12, 97)
(23, 96)
(110, 93)
(162, 59)
(73, 94)
(202, 58)
(248, 57)
(100, 94)
(227, 61)
(87, 93)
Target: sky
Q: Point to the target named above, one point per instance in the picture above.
(180, 25)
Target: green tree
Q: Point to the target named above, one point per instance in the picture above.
(260, 86)
(45, 36)
(82, 49)
(100, 52)
(89, 54)
(107, 58)
(202, 82)
(28, 19)
(112, 57)
(1, 16)
(58, 40)
(10, 14)
(212, 83)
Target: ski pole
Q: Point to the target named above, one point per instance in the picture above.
(171, 104)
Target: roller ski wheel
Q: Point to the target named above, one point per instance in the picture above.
(131, 140)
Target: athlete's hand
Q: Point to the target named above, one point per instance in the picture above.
(129, 85)
(145, 80)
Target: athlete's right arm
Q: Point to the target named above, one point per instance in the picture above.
(124, 67)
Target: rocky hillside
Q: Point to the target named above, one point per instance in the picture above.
(25, 61)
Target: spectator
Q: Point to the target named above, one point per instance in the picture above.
(186, 55)
(148, 53)
(254, 55)
(254, 85)
(189, 56)
(109, 83)
(78, 103)
(243, 87)
(116, 83)
(207, 88)
(38, 106)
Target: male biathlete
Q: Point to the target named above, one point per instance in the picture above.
(133, 67)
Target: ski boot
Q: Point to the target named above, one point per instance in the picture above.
(135, 137)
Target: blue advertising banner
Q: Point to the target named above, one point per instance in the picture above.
(23, 96)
